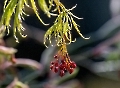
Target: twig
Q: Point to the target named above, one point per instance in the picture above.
(22, 62)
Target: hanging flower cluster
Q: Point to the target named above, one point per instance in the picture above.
(62, 62)
(60, 31)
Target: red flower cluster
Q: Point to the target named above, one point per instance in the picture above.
(62, 64)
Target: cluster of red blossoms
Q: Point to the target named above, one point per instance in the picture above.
(62, 64)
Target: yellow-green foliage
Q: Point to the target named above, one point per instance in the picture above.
(60, 30)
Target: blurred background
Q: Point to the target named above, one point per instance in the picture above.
(97, 59)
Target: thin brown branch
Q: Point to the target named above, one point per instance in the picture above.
(22, 62)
